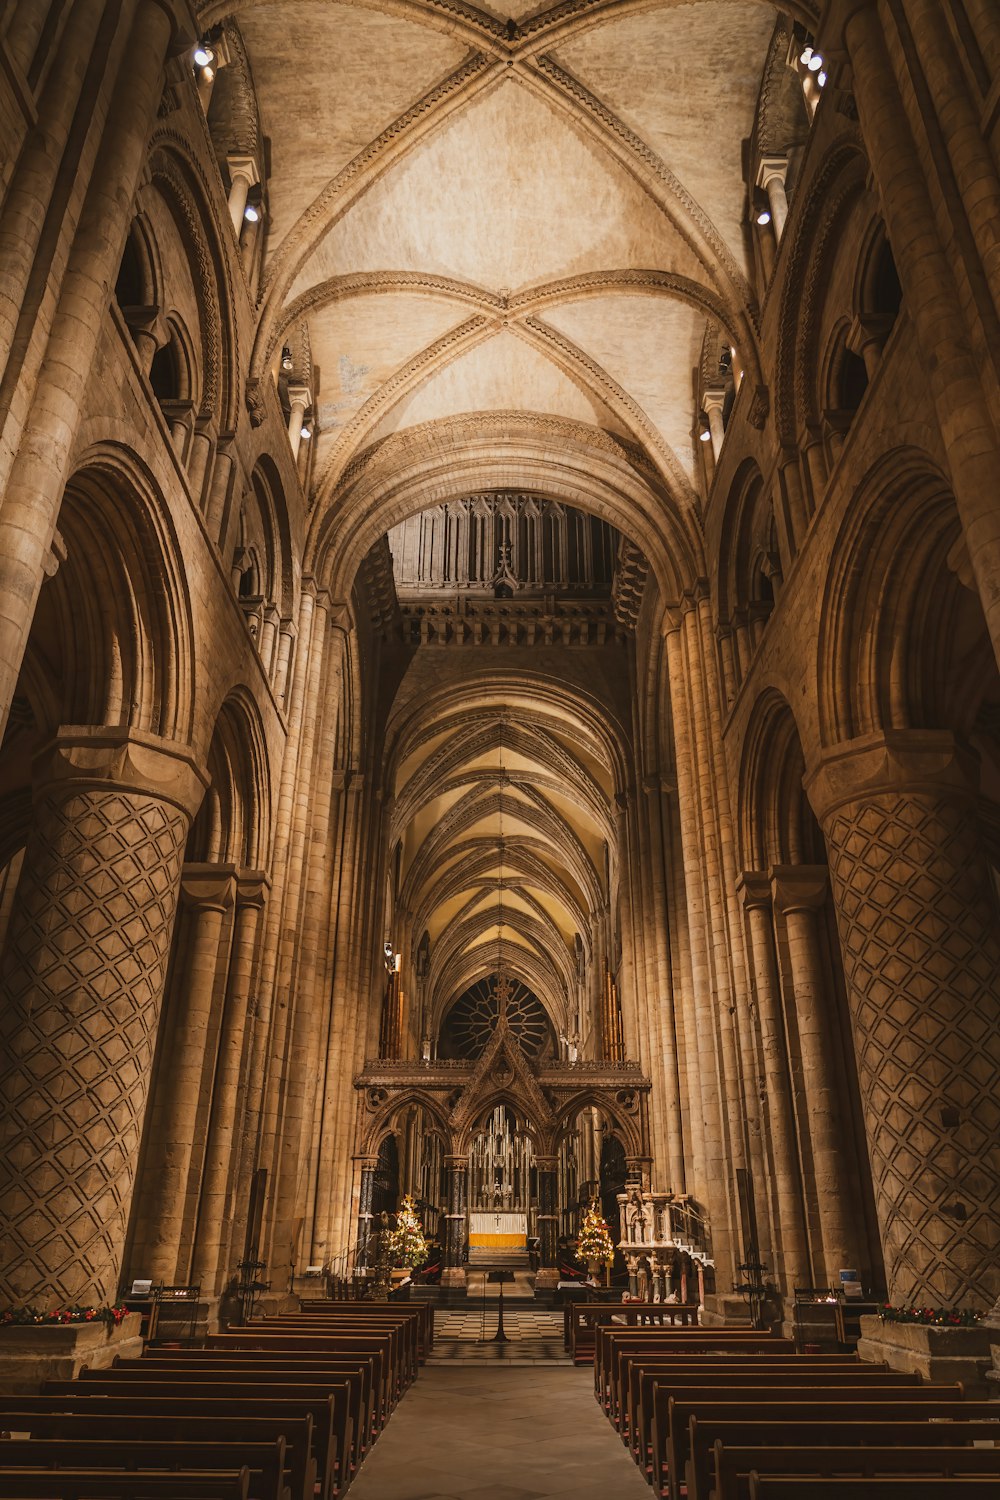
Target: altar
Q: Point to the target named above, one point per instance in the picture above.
(497, 1230)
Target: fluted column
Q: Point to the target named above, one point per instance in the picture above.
(548, 1221)
(787, 1209)
(82, 982)
(799, 894)
(921, 949)
(169, 1192)
(215, 1208)
(457, 1174)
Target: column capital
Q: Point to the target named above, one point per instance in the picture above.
(83, 756)
(243, 166)
(906, 760)
(754, 889)
(713, 399)
(208, 887)
(299, 395)
(547, 1163)
(798, 887)
(455, 1163)
(771, 167)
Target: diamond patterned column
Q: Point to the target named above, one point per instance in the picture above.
(81, 983)
(921, 946)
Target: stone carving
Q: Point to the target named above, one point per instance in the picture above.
(922, 958)
(82, 982)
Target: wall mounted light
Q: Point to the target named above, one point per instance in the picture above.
(705, 432)
(203, 55)
(251, 213)
(287, 363)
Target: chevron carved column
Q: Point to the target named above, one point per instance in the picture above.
(921, 948)
(81, 982)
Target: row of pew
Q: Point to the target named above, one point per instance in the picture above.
(581, 1318)
(737, 1414)
(282, 1408)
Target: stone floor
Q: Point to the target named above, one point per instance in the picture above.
(499, 1434)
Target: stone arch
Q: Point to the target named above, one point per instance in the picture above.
(111, 639)
(902, 641)
(439, 461)
(777, 824)
(232, 826)
(176, 180)
(830, 196)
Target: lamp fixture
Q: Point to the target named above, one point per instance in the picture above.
(203, 55)
(306, 433)
(287, 363)
(805, 55)
(705, 432)
(815, 62)
(763, 217)
(251, 213)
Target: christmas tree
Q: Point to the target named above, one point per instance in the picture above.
(595, 1243)
(407, 1244)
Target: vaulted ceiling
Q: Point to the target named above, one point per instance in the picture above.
(475, 212)
(481, 225)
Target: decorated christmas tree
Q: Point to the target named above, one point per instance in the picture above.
(407, 1244)
(595, 1243)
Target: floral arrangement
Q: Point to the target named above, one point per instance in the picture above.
(931, 1317)
(407, 1242)
(22, 1317)
(595, 1243)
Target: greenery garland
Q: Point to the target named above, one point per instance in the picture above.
(25, 1317)
(931, 1317)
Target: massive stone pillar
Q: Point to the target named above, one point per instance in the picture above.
(457, 1170)
(921, 951)
(81, 984)
(786, 1206)
(171, 1177)
(800, 893)
(213, 1242)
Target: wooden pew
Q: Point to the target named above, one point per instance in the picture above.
(763, 1487)
(638, 1421)
(335, 1397)
(631, 1369)
(125, 1404)
(733, 1466)
(613, 1343)
(402, 1337)
(118, 1484)
(828, 1429)
(422, 1311)
(672, 1412)
(372, 1413)
(275, 1341)
(265, 1462)
(294, 1434)
(580, 1319)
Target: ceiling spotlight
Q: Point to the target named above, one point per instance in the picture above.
(203, 55)
(251, 213)
(764, 217)
(815, 62)
(287, 363)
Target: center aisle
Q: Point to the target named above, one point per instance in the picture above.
(499, 1434)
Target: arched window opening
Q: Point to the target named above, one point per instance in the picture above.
(165, 373)
(385, 1195)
